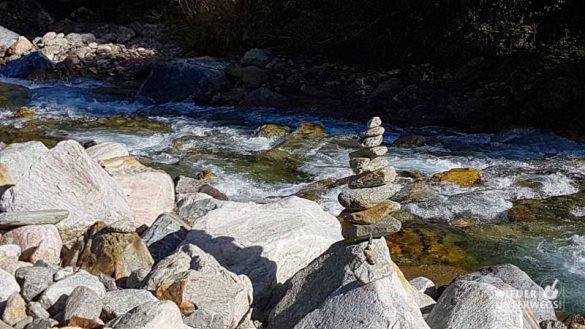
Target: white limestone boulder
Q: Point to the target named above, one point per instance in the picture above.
(105, 151)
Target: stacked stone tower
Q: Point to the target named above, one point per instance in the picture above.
(366, 201)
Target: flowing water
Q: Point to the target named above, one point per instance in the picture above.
(516, 164)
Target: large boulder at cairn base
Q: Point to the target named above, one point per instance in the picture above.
(178, 80)
(267, 242)
(67, 178)
(350, 287)
(470, 305)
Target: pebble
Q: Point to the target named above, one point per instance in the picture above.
(374, 178)
(374, 122)
(355, 232)
(371, 141)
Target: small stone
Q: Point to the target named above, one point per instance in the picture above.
(84, 303)
(34, 280)
(466, 177)
(63, 273)
(373, 132)
(10, 220)
(8, 286)
(370, 142)
(164, 236)
(55, 296)
(36, 310)
(361, 199)
(123, 226)
(355, 232)
(374, 178)
(108, 282)
(272, 131)
(20, 47)
(360, 162)
(14, 310)
(373, 165)
(22, 324)
(370, 216)
(374, 122)
(151, 315)
(370, 153)
(42, 324)
(119, 302)
(136, 278)
(425, 286)
(9, 252)
(78, 322)
(11, 266)
(37, 242)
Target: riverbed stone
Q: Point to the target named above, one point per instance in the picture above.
(267, 242)
(34, 280)
(20, 47)
(84, 303)
(369, 142)
(105, 151)
(151, 315)
(164, 235)
(14, 309)
(374, 122)
(136, 279)
(10, 220)
(66, 177)
(372, 215)
(272, 130)
(466, 177)
(356, 232)
(372, 165)
(373, 132)
(362, 199)
(119, 302)
(469, 304)
(351, 287)
(370, 153)
(56, 295)
(37, 242)
(8, 284)
(378, 177)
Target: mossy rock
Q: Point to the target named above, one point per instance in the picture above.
(465, 177)
(306, 132)
(125, 123)
(272, 130)
(311, 129)
(24, 112)
(554, 209)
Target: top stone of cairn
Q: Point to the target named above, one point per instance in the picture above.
(374, 122)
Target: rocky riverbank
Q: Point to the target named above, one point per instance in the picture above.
(92, 238)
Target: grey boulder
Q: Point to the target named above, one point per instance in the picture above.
(119, 302)
(151, 315)
(83, 303)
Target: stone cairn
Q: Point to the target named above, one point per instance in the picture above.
(367, 206)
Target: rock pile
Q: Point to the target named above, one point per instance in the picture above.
(367, 206)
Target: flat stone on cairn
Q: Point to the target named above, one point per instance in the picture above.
(367, 206)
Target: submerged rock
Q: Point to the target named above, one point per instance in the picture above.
(272, 131)
(349, 286)
(466, 177)
(32, 66)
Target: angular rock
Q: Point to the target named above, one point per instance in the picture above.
(370, 142)
(530, 293)
(11, 266)
(20, 47)
(350, 287)
(36, 310)
(10, 220)
(137, 277)
(355, 232)
(32, 66)
(360, 162)
(149, 194)
(63, 273)
(10, 252)
(8, 284)
(468, 304)
(205, 286)
(271, 130)
(186, 185)
(151, 315)
(371, 153)
(374, 178)
(56, 295)
(372, 215)
(374, 122)
(425, 286)
(42, 324)
(193, 206)
(373, 165)
(67, 178)
(19, 157)
(164, 236)
(119, 302)
(14, 310)
(112, 253)
(24, 323)
(184, 78)
(266, 242)
(34, 280)
(362, 199)
(7, 38)
(105, 151)
(37, 242)
(84, 303)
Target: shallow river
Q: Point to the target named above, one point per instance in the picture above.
(516, 164)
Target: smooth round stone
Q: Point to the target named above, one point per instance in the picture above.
(373, 165)
(373, 132)
(371, 141)
(370, 216)
(355, 232)
(374, 122)
(371, 153)
(362, 199)
(358, 162)
(374, 178)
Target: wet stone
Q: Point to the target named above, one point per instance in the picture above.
(378, 177)
(372, 141)
(370, 153)
(355, 232)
